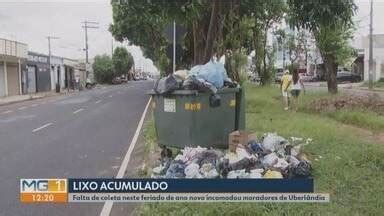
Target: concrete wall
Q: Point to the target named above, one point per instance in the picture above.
(2, 80)
(13, 79)
(13, 48)
(57, 72)
(378, 57)
(378, 64)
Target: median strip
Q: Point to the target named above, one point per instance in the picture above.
(42, 127)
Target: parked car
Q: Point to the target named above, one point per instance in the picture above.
(346, 76)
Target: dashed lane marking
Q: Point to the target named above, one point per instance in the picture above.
(42, 127)
(77, 111)
(6, 112)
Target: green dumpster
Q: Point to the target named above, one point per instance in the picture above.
(187, 118)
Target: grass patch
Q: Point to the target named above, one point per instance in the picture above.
(351, 168)
(363, 119)
(379, 84)
(149, 135)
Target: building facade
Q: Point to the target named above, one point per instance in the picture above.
(12, 57)
(38, 76)
(57, 73)
(378, 57)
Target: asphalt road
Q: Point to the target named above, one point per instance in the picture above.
(82, 135)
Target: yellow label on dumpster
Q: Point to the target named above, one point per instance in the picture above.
(192, 106)
(232, 103)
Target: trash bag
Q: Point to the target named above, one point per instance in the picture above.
(192, 171)
(176, 170)
(193, 83)
(190, 154)
(212, 72)
(292, 160)
(208, 170)
(181, 74)
(301, 170)
(273, 175)
(256, 173)
(237, 174)
(269, 160)
(167, 85)
(272, 142)
(208, 156)
(281, 164)
(255, 147)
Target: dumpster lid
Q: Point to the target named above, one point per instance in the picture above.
(196, 92)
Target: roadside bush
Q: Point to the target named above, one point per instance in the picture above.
(103, 69)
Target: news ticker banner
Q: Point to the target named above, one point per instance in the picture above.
(168, 190)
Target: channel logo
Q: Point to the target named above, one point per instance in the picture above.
(43, 190)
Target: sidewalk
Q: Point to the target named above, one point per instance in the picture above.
(20, 98)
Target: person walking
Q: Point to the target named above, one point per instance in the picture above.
(296, 87)
(285, 84)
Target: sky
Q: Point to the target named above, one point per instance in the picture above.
(30, 21)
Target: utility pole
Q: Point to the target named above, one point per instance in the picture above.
(174, 47)
(371, 49)
(49, 52)
(112, 47)
(87, 25)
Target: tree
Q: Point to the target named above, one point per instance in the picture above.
(212, 27)
(103, 68)
(331, 23)
(264, 14)
(122, 61)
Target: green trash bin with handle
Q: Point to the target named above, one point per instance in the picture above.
(191, 118)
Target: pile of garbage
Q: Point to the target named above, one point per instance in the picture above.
(205, 78)
(271, 157)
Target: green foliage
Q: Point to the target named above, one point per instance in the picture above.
(235, 64)
(335, 42)
(332, 25)
(314, 14)
(212, 27)
(122, 61)
(265, 14)
(103, 69)
(141, 23)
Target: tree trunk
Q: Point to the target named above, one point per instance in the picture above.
(265, 72)
(212, 30)
(331, 73)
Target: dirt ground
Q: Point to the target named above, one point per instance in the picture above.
(372, 102)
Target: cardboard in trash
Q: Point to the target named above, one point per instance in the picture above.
(239, 137)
